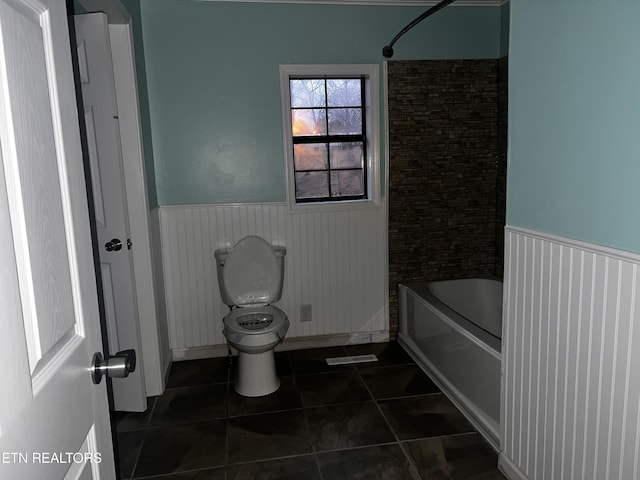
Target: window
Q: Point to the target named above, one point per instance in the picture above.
(330, 133)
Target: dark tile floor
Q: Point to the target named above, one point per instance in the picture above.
(382, 420)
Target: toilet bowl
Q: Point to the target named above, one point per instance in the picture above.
(250, 277)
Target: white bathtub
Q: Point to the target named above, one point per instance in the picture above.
(452, 329)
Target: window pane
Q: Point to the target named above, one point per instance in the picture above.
(344, 121)
(312, 156)
(308, 122)
(312, 185)
(347, 183)
(346, 155)
(307, 93)
(344, 92)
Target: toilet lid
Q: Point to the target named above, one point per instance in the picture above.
(251, 273)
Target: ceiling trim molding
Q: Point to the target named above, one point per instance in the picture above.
(394, 3)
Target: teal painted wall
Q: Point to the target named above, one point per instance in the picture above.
(213, 80)
(133, 6)
(574, 120)
(504, 29)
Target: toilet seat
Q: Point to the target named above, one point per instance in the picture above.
(233, 320)
(255, 336)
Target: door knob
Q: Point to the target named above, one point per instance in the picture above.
(119, 365)
(114, 244)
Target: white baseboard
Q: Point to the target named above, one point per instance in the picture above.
(197, 353)
(508, 469)
(294, 343)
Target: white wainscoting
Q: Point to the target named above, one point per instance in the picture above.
(336, 261)
(571, 360)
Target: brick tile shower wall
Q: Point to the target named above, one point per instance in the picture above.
(501, 178)
(443, 181)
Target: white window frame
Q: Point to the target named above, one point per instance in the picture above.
(372, 111)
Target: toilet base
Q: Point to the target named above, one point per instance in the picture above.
(256, 374)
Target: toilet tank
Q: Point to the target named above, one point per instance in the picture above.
(221, 255)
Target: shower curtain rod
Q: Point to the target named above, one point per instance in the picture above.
(388, 50)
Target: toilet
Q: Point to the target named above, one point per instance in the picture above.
(250, 277)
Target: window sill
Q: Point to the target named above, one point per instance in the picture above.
(343, 206)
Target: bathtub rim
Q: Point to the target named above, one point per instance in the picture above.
(491, 282)
(478, 335)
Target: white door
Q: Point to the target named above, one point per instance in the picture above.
(112, 221)
(54, 422)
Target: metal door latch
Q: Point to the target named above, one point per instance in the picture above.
(114, 244)
(119, 365)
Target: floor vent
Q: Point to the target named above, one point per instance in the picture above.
(356, 359)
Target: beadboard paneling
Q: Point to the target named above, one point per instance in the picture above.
(571, 349)
(335, 261)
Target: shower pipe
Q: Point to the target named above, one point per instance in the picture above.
(388, 50)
